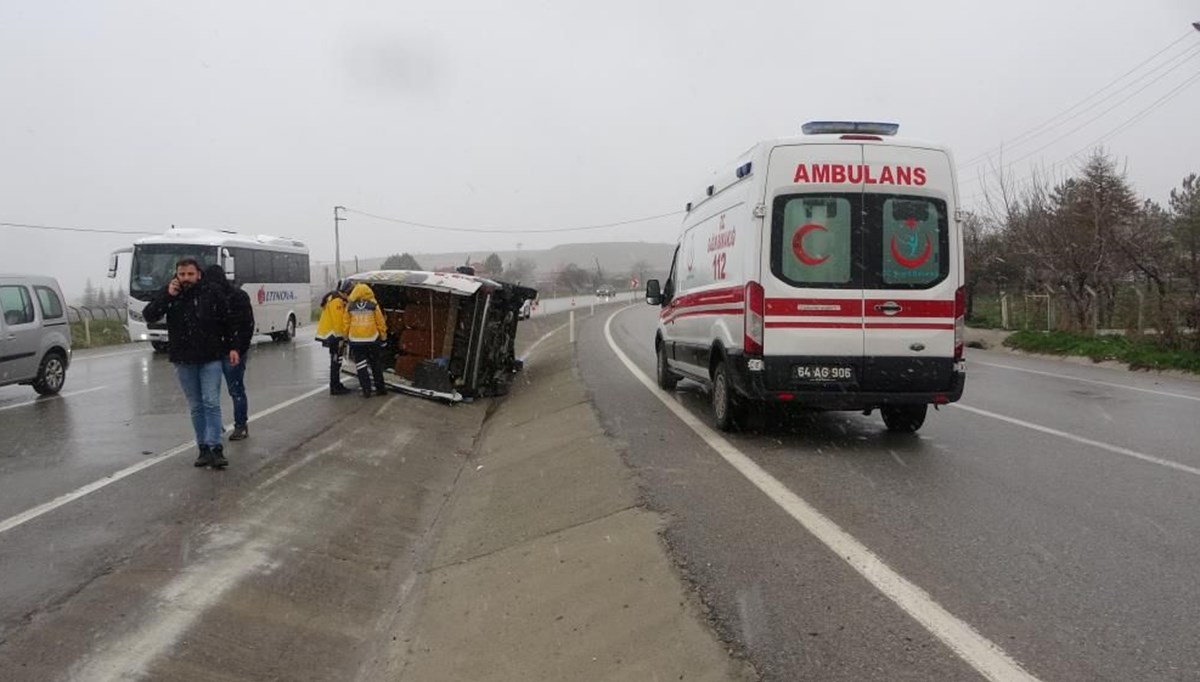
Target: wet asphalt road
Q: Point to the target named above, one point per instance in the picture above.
(1075, 550)
(1056, 512)
(121, 407)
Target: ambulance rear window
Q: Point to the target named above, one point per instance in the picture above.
(912, 241)
(814, 244)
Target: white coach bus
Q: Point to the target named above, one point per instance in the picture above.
(272, 270)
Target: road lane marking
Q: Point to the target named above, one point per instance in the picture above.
(80, 358)
(1112, 384)
(976, 650)
(1080, 439)
(47, 507)
(525, 356)
(50, 399)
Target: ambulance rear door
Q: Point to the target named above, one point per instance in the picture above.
(911, 269)
(812, 267)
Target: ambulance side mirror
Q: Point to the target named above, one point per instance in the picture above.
(653, 292)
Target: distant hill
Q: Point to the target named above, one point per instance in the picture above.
(616, 259)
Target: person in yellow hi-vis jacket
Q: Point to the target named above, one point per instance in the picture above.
(366, 331)
(330, 334)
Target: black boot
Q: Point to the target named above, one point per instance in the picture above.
(338, 389)
(239, 432)
(218, 457)
(205, 458)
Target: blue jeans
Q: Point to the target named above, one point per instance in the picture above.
(234, 381)
(202, 385)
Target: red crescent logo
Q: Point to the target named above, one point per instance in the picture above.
(262, 295)
(798, 245)
(912, 263)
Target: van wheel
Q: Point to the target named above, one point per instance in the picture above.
(51, 375)
(667, 380)
(725, 405)
(160, 346)
(904, 418)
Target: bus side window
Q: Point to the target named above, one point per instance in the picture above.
(245, 265)
(262, 267)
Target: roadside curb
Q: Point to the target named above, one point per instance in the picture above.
(547, 567)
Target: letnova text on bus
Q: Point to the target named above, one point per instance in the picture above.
(272, 270)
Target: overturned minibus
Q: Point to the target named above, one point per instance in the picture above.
(450, 336)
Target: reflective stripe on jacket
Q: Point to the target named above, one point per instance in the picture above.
(364, 319)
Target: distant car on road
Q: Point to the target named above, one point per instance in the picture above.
(35, 337)
(606, 292)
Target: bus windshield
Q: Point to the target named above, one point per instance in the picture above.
(154, 265)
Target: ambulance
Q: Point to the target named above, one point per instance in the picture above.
(824, 272)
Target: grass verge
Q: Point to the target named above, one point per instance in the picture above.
(104, 333)
(1137, 353)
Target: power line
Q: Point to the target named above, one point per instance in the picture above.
(1129, 122)
(510, 230)
(1053, 121)
(72, 229)
(1136, 117)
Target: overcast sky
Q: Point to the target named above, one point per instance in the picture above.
(261, 116)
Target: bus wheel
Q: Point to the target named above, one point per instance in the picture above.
(289, 332)
(903, 418)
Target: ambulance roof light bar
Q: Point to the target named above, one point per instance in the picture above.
(839, 127)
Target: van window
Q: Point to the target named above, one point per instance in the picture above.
(16, 304)
(51, 305)
(910, 238)
(813, 239)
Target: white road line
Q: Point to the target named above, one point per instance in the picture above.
(545, 336)
(51, 399)
(1080, 439)
(1167, 394)
(979, 652)
(81, 358)
(31, 514)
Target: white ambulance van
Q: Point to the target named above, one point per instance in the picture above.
(823, 271)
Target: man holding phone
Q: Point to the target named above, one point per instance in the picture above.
(201, 337)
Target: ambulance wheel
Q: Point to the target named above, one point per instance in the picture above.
(904, 418)
(160, 346)
(667, 379)
(725, 406)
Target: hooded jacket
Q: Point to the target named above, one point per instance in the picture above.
(333, 318)
(364, 321)
(240, 311)
(198, 323)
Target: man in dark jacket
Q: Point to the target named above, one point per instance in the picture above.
(199, 332)
(241, 325)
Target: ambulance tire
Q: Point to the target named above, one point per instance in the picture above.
(667, 380)
(727, 411)
(904, 418)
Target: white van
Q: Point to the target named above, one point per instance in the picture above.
(35, 337)
(825, 272)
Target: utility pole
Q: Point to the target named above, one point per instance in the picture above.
(337, 241)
